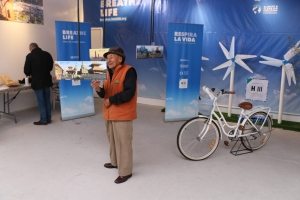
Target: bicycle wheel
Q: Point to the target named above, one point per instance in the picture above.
(195, 145)
(257, 140)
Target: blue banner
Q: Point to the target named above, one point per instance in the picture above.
(67, 41)
(183, 71)
(260, 27)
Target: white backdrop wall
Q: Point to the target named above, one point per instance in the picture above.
(15, 38)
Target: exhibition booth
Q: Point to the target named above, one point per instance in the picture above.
(217, 83)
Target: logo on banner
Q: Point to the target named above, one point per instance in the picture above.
(116, 10)
(183, 83)
(69, 35)
(268, 9)
(185, 37)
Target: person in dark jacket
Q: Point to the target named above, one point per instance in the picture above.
(38, 66)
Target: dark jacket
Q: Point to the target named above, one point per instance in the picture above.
(38, 65)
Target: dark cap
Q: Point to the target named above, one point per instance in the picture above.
(117, 51)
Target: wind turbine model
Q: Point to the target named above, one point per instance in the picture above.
(230, 64)
(287, 69)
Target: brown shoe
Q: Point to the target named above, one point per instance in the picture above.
(122, 179)
(109, 165)
(40, 123)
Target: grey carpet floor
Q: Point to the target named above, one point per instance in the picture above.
(64, 161)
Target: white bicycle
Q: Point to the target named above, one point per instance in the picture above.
(199, 137)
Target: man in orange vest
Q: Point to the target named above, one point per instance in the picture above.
(119, 93)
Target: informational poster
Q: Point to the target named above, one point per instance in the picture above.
(183, 71)
(257, 89)
(149, 51)
(22, 11)
(73, 40)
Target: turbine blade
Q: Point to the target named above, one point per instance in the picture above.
(290, 73)
(225, 64)
(274, 63)
(229, 69)
(226, 53)
(297, 45)
(268, 58)
(204, 58)
(244, 56)
(290, 54)
(231, 51)
(244, 65)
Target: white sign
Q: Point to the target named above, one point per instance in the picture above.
(257, 89)
(183, 83)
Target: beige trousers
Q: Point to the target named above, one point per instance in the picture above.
(119, 134)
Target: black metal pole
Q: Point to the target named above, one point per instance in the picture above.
(152, 22)
(78, 29)
(104, 22)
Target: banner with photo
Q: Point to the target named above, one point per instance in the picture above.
(22, 11)
(68, 43)
(76, 98)
(183, 71)
(76, 93)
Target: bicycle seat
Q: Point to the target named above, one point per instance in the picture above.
(245, 105)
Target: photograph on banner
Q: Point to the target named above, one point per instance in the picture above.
(22, 11)
(149, 51)
(257, 89)
(89, 70)
(76, 99)
(97, 54)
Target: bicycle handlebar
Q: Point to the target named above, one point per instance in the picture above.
(211, 93)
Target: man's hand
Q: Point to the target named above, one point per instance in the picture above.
(106, 102)
(97, 85)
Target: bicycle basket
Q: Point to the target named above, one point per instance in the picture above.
(205, 106)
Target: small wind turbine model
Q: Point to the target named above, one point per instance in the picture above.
(230, 64)
(287, 69)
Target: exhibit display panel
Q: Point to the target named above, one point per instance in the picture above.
(183, 71)
(73, 41)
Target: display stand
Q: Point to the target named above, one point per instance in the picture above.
(238, 148)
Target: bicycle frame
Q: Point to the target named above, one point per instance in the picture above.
(221, 122)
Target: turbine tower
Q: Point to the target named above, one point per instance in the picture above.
(232, 60)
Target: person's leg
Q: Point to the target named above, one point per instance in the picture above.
(42, 109)
(123, 141)
(111, 140)
(47, 98)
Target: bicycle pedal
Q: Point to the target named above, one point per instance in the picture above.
(226, 143)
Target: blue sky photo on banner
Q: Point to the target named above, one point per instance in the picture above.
(264, 28)
(76, 99)
(183, 72)
(76, 95)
